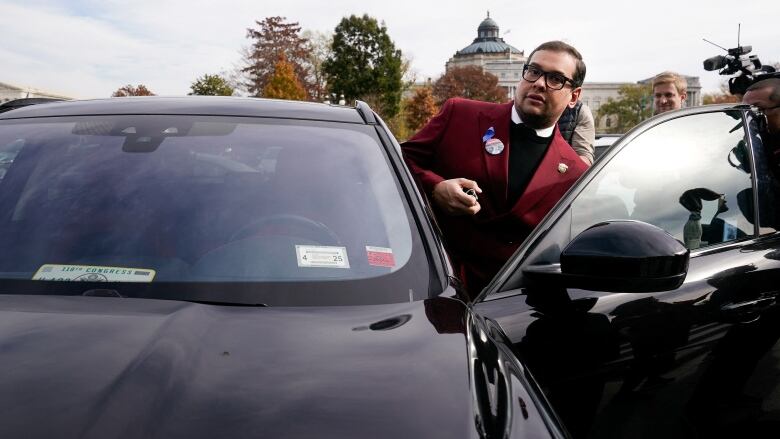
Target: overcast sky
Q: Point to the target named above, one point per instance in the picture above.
(89, 48)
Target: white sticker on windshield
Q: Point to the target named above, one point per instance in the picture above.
(322, 256)
(93, 273)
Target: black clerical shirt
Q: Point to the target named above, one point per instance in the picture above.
(526, 151)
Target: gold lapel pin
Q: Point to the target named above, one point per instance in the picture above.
(562, 168)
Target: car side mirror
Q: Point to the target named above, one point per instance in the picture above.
(617, 256)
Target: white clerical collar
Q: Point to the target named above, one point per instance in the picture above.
(544, 132)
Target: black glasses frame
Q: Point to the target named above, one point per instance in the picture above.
(546, 77)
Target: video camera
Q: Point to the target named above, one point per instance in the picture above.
(737, 61)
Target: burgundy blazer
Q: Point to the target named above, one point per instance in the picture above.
(451, 146)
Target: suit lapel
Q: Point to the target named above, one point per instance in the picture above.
(496, 166)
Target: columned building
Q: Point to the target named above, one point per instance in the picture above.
(493, 54)
(595, 94)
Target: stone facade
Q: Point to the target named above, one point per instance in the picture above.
(694, 89)
(495, 56)
(9, 92)
(595, 94)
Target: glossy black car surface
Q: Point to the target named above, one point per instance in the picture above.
(621, 344)
(226, 267)
(644, 304)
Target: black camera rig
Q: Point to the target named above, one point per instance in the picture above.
(747, 68)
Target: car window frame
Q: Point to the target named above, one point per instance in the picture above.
(440, 266)
(506, 281)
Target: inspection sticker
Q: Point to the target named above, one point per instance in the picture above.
(380, 256)
(322, 256)
(93, 273)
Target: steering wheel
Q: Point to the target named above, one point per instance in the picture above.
(289, 225)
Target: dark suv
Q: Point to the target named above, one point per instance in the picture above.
(226, 267)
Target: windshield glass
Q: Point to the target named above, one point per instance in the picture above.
(137, 201)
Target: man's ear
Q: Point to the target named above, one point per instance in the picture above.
(575, 96)
(683, 96)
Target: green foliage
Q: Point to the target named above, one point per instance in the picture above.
(719, 98)
(130, 90)
(634, 105)
(211, 85)
(470, 82)
(364, 64)
(283, 83)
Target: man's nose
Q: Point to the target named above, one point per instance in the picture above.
(541, 83)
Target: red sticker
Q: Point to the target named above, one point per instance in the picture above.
(380, 256)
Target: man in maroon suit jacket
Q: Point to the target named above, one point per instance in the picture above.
(511, 156)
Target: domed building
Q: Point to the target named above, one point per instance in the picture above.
(493, 54)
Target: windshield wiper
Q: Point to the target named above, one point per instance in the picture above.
(106, 292)
(209, 302)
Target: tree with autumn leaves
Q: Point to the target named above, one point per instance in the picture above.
(131, 90)
(470, 82)
(420, 108)
(283, 83)
(274, 39)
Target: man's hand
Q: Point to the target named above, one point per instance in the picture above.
(449, 195)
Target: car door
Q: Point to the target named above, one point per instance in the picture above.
(699, 359)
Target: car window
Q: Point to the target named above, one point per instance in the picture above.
(152, 199)
(689, 176)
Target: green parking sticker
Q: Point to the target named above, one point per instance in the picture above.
(93, 273)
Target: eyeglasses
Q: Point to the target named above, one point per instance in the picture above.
(553, 81)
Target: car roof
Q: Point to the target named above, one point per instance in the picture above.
(192, 105)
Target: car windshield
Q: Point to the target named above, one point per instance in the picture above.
(240, 210)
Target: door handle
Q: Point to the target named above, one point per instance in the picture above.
(746, 312)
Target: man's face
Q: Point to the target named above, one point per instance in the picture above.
(760, 97)
(667, 98)
(538, 105)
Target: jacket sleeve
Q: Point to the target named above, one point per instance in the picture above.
(584, 135)
(421, 149)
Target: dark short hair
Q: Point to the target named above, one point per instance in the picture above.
(770, 81)
(560, 46)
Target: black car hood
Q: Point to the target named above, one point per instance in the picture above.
(113, 367)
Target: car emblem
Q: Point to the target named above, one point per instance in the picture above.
(562, 168)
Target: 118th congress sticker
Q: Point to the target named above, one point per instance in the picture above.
(321, 256)
(93, 273)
